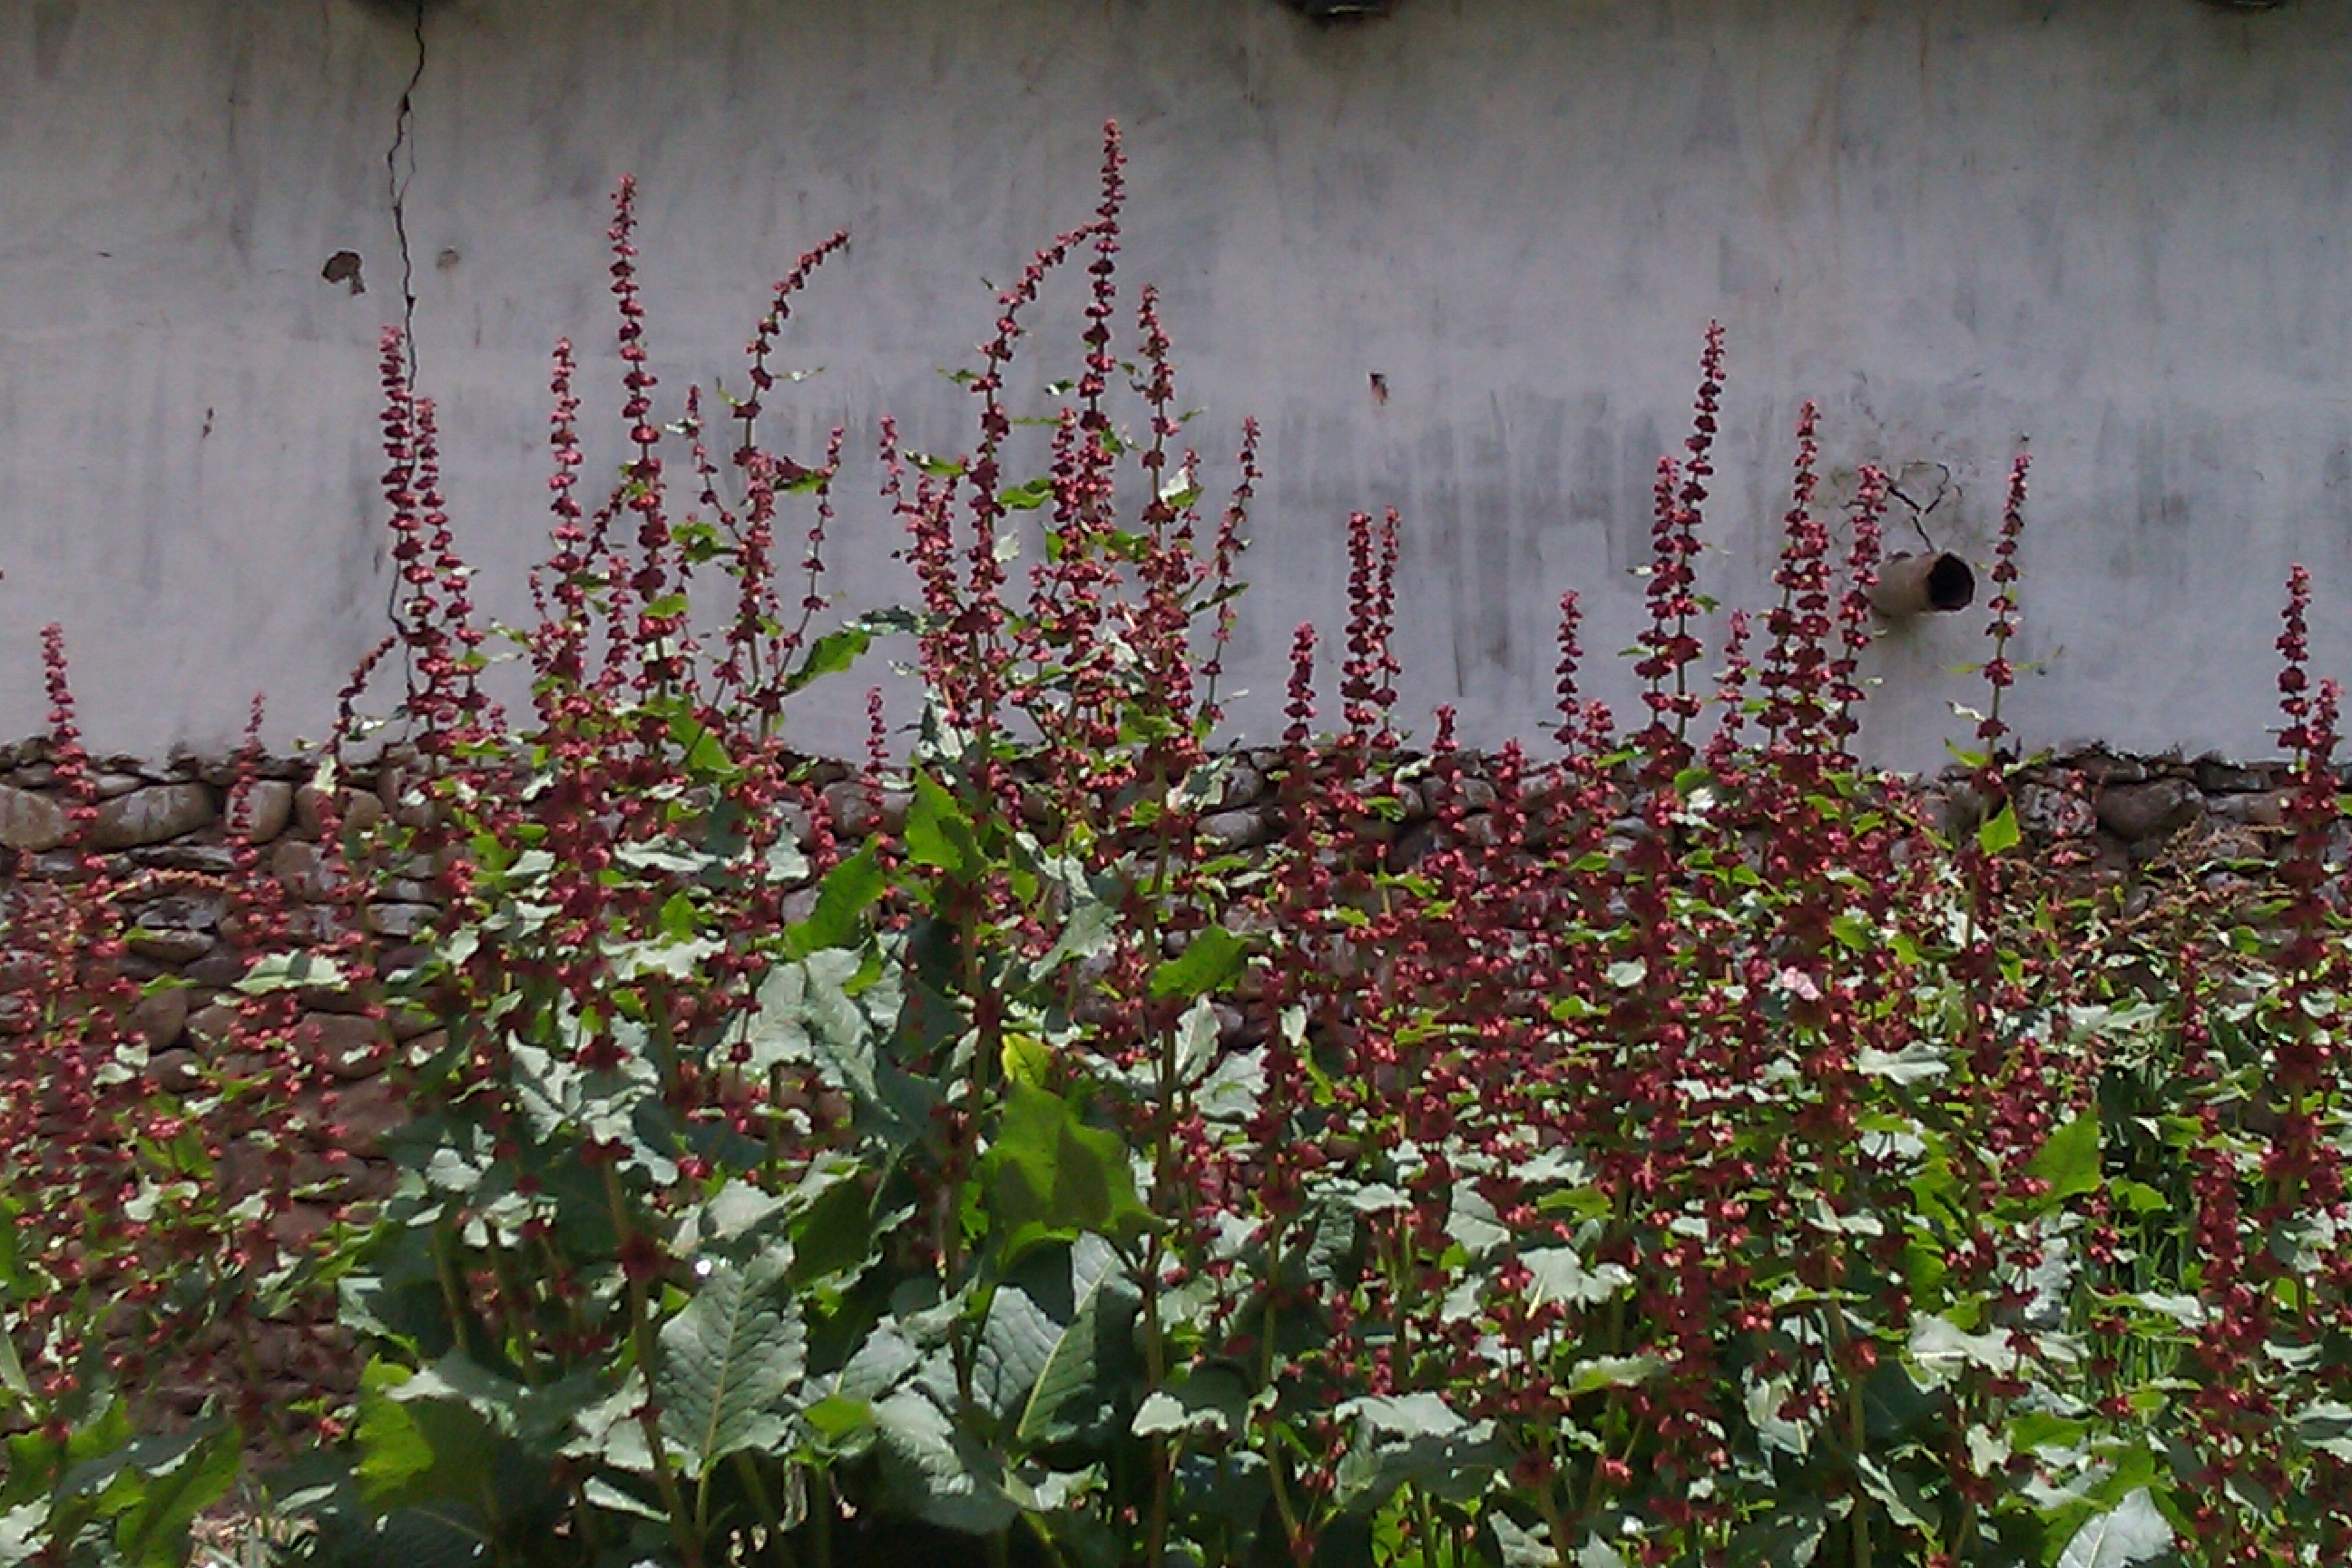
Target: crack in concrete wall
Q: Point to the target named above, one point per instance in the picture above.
(396, 183)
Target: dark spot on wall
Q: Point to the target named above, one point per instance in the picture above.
(1380, 387)
(447, 258)
(1713, 130)
(53, 24)
(344, 267)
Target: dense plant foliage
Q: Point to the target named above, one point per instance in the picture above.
(1690, 1153)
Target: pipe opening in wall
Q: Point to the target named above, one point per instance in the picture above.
(1923, 584)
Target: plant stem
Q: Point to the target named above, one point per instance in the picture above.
(642, 1343)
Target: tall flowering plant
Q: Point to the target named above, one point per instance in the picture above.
(1065, 1138)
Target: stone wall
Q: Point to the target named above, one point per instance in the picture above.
(2112, 818)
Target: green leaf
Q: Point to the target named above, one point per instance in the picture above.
(1560, 1275)
(2325, 1426)
(829, 655)
(1416, 1438)
(1212, 1400)
(2069, 1162)
(1942, 1349)
(1028, 1059)
(728, 1361)
(181, 1480)
(289, 972)
(22, 1532)
(1196, 1042)
(849, 891)
(1999, 831)
(419, 1450)
(1913, 1063)
(703, 753)
(1028, 497)
(838, 1419)
(938, 833)
(835, 1236)
(2135, 1532)
(936, 1473)
(1050, 1175)
(1789, 1536)
(1016, 1341)
(1077, 1392)
(1898, 1494)
(1207, 965)
(1612, 1372)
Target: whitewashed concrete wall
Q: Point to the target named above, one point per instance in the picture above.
(2115, 226)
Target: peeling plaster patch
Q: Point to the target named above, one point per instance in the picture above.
(344, 267)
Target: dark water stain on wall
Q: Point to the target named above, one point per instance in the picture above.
(53, 25)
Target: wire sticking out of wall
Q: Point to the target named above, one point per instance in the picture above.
(1340, 10)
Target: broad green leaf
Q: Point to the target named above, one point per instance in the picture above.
(1078, 1391)
(2135, 1532)
(1898, 1494)
(829, 655)
(703, 753)
(1211, 1400)
(728, 1361)
(2069, 1162)
(1416, 1438)
(835, 1236)
(1203, 968)
(677, 959)
(1612, 1372)
(417, 1451)
(1027, 1059)
(1560, 1275)
(1016, 1341)
(1999, 831)
(1049, 1175)
(1915, 1062)
(24, 1531)
(289, 972)
(849, 891)
(1942, 1349)
(1092, 924)
(1473, 1222)
(1789, 1536)
(2040, 1429)
(1028, 497)
(150, 1486)
(1196, 1042)
(837, 1419)
(2325, 1426)
(183, 1480)
(936, 1473)
(601, 1493)
(938, 833)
